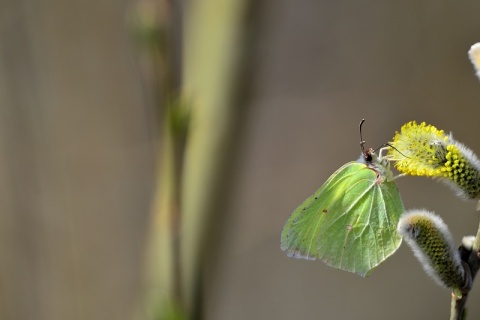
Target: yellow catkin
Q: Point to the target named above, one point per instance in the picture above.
(423, 150)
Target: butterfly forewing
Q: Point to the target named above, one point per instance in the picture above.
(349, 223)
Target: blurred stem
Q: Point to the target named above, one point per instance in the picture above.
(156, 27)
(213, 60)
(197, 142)
(163, 276)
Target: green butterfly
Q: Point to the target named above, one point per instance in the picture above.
(350, 222)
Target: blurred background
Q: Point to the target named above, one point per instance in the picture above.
(84, 150)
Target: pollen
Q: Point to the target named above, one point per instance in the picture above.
(423, 150)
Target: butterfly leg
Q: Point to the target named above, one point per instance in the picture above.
(399, 176)
(380, 152)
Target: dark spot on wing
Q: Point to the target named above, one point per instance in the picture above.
(324, 210)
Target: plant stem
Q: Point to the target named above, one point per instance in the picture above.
(473, 259)
(214, 44)
(457, 307)
(457, 310)
(156, 29)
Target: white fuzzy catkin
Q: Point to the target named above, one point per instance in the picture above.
(467, 242)
(474, 55)
(433, 245)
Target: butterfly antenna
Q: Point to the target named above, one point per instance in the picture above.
(389, 145)
(362, 142)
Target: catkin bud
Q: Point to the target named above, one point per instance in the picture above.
(474, 55)
(423, 150)
(432, 244)
(467, 242)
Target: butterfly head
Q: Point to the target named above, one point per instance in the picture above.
(368, 155)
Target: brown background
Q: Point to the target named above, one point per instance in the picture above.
(77, 155)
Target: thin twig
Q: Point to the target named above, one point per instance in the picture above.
(471, 266)
(457, 307)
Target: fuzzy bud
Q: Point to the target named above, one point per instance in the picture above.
(432, 244)
(474, 55)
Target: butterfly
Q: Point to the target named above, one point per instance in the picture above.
(350, 222)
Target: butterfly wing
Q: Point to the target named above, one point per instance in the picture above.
(349, 223)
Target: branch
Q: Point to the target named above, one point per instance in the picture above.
(470, 260)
